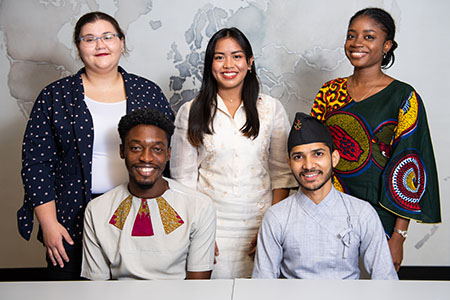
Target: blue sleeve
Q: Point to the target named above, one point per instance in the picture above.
(38, 161)
(374, 247)
(269, 251)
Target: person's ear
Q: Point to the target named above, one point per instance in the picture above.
(387, 46)
(335, 158)
(250, 63)
(122, 45)
(122, 155)
(288, 161)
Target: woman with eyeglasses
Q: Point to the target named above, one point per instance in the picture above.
(71, 146)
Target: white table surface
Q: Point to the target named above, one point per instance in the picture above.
(294, 289)
(239, 289)
(123, 290)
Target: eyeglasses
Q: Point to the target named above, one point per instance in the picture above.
(90, 40)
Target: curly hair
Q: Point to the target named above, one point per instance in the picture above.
(145, 116)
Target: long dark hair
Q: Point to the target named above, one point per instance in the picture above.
(387, 23)
(203, 108)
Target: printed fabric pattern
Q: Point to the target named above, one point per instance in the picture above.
(386, 151)
(170, 219)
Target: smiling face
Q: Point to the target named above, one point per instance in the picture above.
(366, 43)
(230, 66)
(100, 55)
(312, 165)
(146, 153)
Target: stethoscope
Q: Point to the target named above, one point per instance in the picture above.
(344, 235)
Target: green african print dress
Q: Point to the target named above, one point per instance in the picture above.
(385, 147)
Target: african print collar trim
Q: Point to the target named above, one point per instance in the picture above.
(170, 219)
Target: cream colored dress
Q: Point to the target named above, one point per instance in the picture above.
(238, 173)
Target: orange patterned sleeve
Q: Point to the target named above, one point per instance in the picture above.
(319, 107)
(332, 96)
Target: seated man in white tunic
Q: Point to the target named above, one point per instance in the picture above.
(151, 227)
(319, 232)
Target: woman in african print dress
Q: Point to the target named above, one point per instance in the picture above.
(380, 128)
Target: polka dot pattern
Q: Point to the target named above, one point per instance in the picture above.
(57, 148)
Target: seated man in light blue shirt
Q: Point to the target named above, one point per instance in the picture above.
(319, 232)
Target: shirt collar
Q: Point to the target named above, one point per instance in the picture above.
(313, 209)
(223, 108)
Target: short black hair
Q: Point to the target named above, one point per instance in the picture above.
(145, 116)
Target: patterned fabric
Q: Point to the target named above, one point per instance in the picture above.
(57, 148)
(143, 223)
(121, 213)
(386, 152)
(170, 219)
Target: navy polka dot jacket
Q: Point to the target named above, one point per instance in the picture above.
(57, 148)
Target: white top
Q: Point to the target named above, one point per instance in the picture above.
(113, 253)
(108, 169)
(299, 239)
(237, 172)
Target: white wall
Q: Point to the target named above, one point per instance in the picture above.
(297, 44)
(422, 61)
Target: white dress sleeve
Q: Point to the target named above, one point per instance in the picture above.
(184, 156)
(280, 174)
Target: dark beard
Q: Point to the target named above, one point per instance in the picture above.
(329, 175)
(145, 186)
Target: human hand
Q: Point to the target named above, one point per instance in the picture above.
(216, 252)
(253, 246)
(53, 234)
(396, 246)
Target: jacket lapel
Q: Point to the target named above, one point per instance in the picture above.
(84, 133)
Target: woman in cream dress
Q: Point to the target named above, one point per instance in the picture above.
(230, 143)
